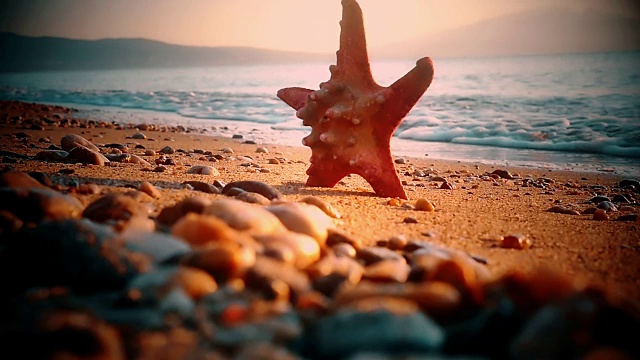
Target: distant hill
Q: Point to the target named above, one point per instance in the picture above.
(543, 31)
(23, 53)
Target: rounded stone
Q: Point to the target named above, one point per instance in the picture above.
(305, 248)
(70, 141)
(139, 136)
(203, 170)
(39, 203)
(148, 188)
(115, 207)
(515, 241)
(199, 230)
(601, 215)
(423, 204)
(195, 204)
(224, 260)
(304, 219)
(84, 155)
(244, 216)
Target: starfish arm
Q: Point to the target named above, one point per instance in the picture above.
(406, 91)
(326, 173)
(352, 58)
(295, 97)
(382, 177)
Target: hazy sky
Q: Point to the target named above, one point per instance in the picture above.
(301, 25)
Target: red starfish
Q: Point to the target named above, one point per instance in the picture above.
(352, 118)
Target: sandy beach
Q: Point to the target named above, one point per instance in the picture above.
(486, 205)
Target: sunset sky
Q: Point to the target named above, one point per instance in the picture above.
(300, 25)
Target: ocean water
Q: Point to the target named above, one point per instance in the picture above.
(563, 111)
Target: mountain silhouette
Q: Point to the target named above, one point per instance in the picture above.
(535, 32)
(24, 53)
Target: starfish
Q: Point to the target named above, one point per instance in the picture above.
(352, 117)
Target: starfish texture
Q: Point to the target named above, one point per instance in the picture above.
(352, 118)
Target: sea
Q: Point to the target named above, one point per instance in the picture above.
(559, 112)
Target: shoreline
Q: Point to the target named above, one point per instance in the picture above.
(265, 133)
(486, 254)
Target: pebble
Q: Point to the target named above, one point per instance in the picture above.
(202, 186)
(620, 199)
(70, 141)
(373, 254)
(436, 298)
(397, 242)
(598, 199)
(322, 205)
(387, 271)
(601, 215)
(303, 218)
(158, 246)
(194, 204)
(516, 241)
(410, 220)
(160, 283)
(128, 159)
(114, 207)
(447, 186)
(244, 216)
(51, 155)
(503, 174)
(423, 204)
(252, 197)
(88, 189)
(224, 260)
(203, 170)
(139, 136)
(630, 182)
(304, 248)
(199, 230)
(84, 155)
(276, 281)
(259, 187)
(18, 179)
(149, 189)
(167, 150)
(334, 236)
(394, 202)
(345, 333)
(344, 249)
(400, 161)
(607, 206)
(262, 150)
(36, 204)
